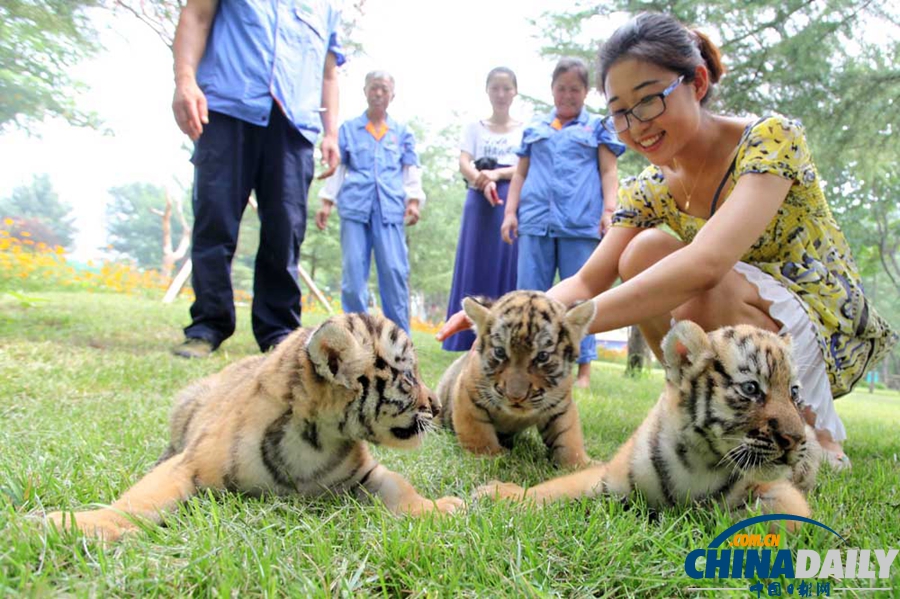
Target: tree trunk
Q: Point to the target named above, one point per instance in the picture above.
(171, 256)
(168, 265)
(637, 353)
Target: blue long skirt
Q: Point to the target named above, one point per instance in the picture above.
(485, 265)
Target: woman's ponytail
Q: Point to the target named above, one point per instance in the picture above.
(711, 56)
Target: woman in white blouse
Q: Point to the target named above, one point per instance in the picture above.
(485, 265)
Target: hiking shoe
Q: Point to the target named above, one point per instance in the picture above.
(193, 347)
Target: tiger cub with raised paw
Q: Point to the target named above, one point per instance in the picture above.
(727, 427)
(517, 375)
(295, 420)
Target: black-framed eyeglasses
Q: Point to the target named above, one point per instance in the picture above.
(646, 110)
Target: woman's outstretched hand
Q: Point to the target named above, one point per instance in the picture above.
(456, 323)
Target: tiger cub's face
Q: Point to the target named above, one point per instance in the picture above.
(527, 344)
(379, 394)
(738, 387)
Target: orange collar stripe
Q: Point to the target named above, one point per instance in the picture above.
(379, 133)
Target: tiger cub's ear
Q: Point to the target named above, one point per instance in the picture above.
(579, 318)
(685, 343)
(336, 355)
(787, 339)
(477, 312)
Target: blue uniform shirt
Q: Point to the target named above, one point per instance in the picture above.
(562, 195)
(260, 50)
(374, 170)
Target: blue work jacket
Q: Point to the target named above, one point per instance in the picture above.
(374, 170)
(562, 195)
(260, 51)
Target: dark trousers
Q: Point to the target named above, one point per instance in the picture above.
(231, 158)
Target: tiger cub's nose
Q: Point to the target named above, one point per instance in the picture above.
(787, 441)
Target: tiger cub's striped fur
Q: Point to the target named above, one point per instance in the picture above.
(293, 421)
(517, 375)
(727, 427)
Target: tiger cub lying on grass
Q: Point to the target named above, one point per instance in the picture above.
(727, 427)
(518, 374)
(293, 421)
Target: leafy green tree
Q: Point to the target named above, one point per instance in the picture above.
(432, 242)
(320, 254)
(161, 16)
(40, 202)
(42, 41)
(135, 225)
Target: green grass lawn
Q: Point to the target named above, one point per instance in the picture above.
(86, 383)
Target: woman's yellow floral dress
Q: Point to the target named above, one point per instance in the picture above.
(803, 247)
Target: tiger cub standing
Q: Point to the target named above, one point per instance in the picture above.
(727, 427)
(293, 421)
(517, 375)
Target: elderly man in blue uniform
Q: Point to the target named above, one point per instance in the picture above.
(255, 85)
(378, 189)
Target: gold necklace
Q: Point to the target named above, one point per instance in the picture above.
(687, 195)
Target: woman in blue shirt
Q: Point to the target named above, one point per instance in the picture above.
(563, 193)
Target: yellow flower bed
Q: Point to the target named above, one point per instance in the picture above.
(29, 265)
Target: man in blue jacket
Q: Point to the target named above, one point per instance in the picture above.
(378, 189)
(255, 84)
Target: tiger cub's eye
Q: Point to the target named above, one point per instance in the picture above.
(541, 357)
(499, 353)
(750, 389)
(407, 381)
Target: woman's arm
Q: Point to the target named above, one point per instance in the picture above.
(467, 168)
(600, 271)
(697, 267)
(485, 181)
(505, 173)
(609, 182)
(510, 227)
(597, 275)
(677, 278)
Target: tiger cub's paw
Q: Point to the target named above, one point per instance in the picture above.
(449, 505)
(500, 490)
(485, 450)
(444, 505)
(574, 460)
(94, 524)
